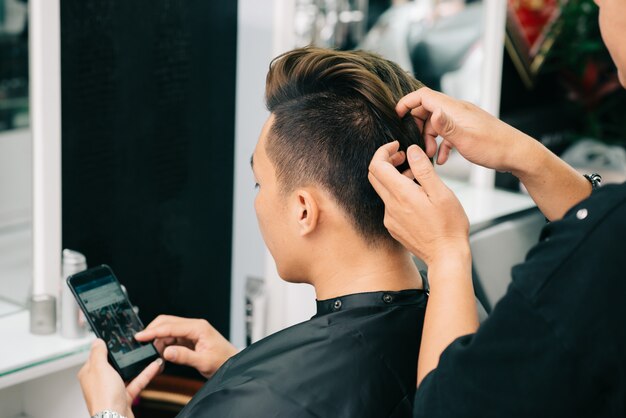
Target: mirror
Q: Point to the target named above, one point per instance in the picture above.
(15, 158)
(438, 41)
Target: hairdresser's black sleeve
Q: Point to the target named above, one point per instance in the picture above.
(555, 345)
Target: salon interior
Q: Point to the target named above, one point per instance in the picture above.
(126, 130)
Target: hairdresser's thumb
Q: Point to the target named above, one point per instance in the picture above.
(423, 170)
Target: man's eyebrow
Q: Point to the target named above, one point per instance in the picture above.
(252, 161)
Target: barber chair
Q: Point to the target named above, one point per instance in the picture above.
(165, 396)
(497, 246)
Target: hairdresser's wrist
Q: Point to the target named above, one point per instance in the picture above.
(453, 265)
(525, 156)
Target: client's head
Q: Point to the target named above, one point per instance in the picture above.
(330, 111)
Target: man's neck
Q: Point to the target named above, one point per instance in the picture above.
(357, 270)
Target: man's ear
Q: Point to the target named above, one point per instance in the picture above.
(307, 211)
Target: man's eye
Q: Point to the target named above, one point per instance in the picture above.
(256, 185)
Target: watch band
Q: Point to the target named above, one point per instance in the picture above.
(595, 179)
(107, 413)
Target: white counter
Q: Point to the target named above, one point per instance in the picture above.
(24, 356)
(483, 204)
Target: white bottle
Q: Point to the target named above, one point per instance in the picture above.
(72, 323)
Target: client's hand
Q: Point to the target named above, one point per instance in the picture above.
(190, 342)
(427, 219)
(103, 387)
(478, 136)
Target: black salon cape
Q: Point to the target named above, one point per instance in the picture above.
(357, 357)
(555, 345)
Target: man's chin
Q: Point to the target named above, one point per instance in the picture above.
(295, 280)
(290, 277)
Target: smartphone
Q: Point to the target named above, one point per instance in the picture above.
(112, 318)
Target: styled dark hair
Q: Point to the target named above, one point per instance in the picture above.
(332, 110)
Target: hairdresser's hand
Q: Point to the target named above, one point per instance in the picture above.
(103, 387)
(428, 219)
(190, 342)
(478, 136)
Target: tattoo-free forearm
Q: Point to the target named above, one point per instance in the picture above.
(551, 182)
(451, 310)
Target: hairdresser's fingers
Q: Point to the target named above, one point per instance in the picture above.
(409, 102)
(408, 174)
(445, 126)
(430, 136)
(142, 380)
(424, 171)
(391, 185)
(420, 113)
(430, 143)
(383, 156)
(397, 158)
(424, 97)
(444, 152)
(420, 116)
(379, 188)
(384, 152)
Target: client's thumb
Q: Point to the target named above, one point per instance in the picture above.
(180, 355)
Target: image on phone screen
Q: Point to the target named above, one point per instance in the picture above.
(113, 317)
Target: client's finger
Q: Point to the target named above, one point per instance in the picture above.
(183, 355)
(98, 352)
(424, 171)
(182, 329)
(142, 380)
(161, 343)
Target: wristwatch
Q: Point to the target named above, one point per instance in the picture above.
(595, 179)
(107, 413)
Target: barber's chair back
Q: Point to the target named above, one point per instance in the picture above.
(497, 246)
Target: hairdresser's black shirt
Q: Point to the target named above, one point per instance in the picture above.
(555, 345)
(357, 357)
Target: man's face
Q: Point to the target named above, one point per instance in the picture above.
(272, 209)
(612, 26)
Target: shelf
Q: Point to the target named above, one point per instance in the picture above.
(24, 356)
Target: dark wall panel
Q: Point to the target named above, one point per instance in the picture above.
(148, 90)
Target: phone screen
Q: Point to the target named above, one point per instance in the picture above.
(111, 315)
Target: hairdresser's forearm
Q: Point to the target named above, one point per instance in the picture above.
(552, 183)
(451, 310)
